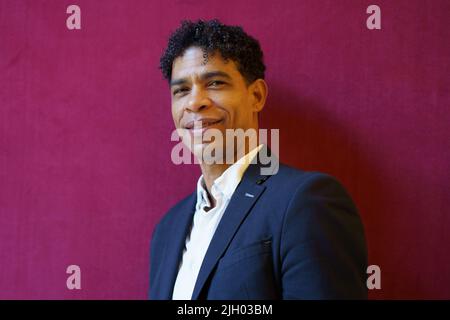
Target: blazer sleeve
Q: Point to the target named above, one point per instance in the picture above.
(155, 258)
(323, 250)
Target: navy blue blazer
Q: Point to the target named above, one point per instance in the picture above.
(292, 235)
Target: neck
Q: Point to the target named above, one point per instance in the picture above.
(212, 171)
(210, 174)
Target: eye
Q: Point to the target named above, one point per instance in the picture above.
(180, 91)
(216, 83)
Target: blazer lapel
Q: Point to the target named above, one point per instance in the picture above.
(243, 199)
(175, 247)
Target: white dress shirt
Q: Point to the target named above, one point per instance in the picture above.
(205, 223)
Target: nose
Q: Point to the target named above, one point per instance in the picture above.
(198, 100)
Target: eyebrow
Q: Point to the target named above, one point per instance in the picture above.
(204, 76)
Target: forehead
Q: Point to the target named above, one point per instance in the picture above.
(192, 64)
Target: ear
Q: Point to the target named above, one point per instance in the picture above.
(258, 90)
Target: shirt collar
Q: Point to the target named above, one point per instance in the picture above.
(225, 185)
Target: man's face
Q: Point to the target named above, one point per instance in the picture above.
(214, 93)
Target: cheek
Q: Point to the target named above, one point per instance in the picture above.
(235, 107)
(176, 114)
(241, 110)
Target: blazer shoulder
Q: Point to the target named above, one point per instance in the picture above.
(184, 206)
(297, 178)
(290, 183)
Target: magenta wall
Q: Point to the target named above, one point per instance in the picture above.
(85, 125)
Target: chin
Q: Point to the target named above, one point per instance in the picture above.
(208, 153)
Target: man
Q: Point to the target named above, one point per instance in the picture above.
(245, 234)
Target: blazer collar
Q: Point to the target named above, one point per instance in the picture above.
(175, 246)
(244, 197)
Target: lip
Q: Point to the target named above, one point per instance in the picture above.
(202, 124)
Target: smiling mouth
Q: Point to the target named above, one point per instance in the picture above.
(201, 124)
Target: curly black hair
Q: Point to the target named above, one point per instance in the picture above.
(212, 36)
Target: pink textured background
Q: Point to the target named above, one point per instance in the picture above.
(85, 125)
